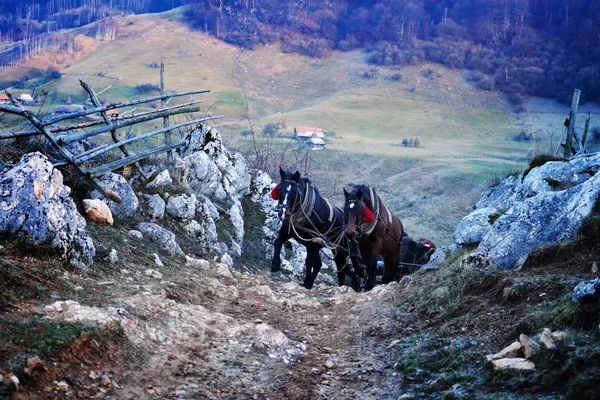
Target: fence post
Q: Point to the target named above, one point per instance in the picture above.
(571, 134)
(163, 102)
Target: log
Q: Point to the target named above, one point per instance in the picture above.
(66, 139)
(582, 148)
(102, 169)
(58, 118)
(89, 155)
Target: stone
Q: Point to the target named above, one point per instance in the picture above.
(105, 381)
(586, 291)
(155, 206)
(161, 180)
(182, 207)
(530, 346)
(153, 273)
(129, 201)
(227, 260)
(547, 339)
(512, 351)
(136, 234)
(547, 207)
(112, 257)
(98, 211)
(436, 259)
(34, 363)
(513, 364)
(46, 214)
(196, 263)
(499, 196)
(158, 261)
(472, 228)
(329, 364)
(223, 271)
(559, 336)
(160, 235)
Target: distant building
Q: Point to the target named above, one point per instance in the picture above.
(112, 113)
(4, 99)
(68, 109)
(315, 144)
(311, 138)
(305, 132)
(26, 99)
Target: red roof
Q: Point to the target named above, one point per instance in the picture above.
(112, 111)
(306, 129)
(4, 97)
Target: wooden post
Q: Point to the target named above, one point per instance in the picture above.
(569, 150)
(585, 132)
(163, 105)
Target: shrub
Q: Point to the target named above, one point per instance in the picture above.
(146, 88)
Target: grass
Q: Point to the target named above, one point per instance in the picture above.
(45, 337)
(457, 315)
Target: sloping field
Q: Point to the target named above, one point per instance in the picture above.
(466, 134)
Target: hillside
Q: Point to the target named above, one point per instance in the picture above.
(366, 112)
(186, 315)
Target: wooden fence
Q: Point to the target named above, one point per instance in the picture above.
(59, 136)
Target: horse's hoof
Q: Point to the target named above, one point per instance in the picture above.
(276, 275)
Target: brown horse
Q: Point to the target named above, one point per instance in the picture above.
(374, 231)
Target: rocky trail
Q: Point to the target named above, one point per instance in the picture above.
(221, 334)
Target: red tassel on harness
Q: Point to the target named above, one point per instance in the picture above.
(368, 216)
(275, 192)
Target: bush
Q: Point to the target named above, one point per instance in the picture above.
(146, 88)
(53, 73)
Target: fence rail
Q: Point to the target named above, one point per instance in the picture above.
(60, 137)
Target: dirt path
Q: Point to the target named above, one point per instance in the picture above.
(216, 334)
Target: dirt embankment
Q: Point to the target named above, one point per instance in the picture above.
(208, 333)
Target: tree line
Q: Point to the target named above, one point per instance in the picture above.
(522, 47)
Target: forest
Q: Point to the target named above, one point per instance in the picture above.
(522, 47)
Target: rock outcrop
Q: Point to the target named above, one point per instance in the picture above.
(34, 203)
(546, 206)
(118, 184)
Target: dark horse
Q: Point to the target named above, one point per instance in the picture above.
(378, 230)
(313, 222)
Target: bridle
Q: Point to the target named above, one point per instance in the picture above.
(297, 198)
(358, 214)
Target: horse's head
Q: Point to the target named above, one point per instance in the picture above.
(289, 192)
(355, 212)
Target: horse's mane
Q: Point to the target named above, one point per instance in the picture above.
(366, 195)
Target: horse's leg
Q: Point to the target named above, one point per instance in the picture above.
(374, 254)
(392, 253)
(340, 263)
(356, 262)
(313, 265)
(282, 237)
(371, 272)
(389, 266)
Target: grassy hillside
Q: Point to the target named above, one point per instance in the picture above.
(366, 112)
